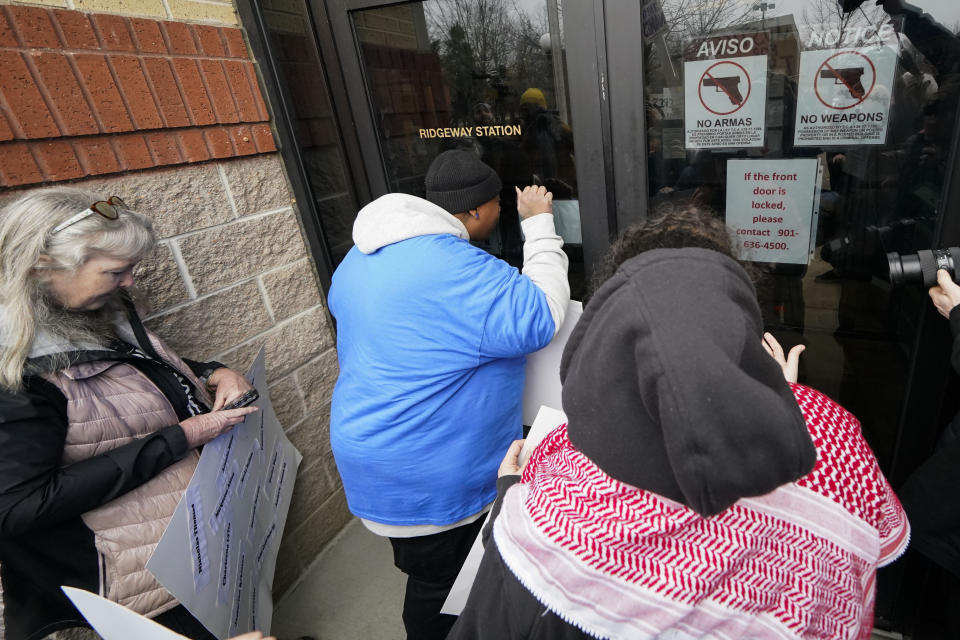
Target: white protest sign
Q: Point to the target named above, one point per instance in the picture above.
(772, 207)
(219, 551)
(725, 86)
(541, 391)
(546, 421)
(542, 386)
(845, 85)
(113, 621)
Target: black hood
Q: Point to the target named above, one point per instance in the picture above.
(667, 387)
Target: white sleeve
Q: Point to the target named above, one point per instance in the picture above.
(545, 263)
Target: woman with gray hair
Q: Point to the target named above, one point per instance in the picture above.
(99, 419)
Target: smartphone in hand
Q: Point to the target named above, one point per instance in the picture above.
(246, 399)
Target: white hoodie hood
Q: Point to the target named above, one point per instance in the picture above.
(399, 216)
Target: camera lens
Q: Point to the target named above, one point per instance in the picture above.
(922, 266)
(904, 269)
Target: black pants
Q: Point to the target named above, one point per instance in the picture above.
(431, 564)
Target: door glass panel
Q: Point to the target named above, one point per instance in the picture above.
(288, 30)
(483, 75)
(824, 142)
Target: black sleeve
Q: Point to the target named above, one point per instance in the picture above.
(35, 491)
(955, 331)
(938, 44)
(203, 369)
(503, 483)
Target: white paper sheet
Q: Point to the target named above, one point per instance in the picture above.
(115, 622)
(232, 486)
(542, 386)
(546, 421)
(457, 598)
(541, 392)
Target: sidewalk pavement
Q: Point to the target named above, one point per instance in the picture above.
(351, 592)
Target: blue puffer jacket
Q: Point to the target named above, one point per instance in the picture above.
(432, 339)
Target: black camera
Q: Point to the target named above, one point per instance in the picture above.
(922, 266)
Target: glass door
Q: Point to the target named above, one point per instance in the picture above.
(487, 76)
(824, 134)
(824, 139)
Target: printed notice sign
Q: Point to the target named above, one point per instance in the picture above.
(725, 91)
(771, 208)
(843, 95)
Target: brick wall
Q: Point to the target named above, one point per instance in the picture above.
(91, 94)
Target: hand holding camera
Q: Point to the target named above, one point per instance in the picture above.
(922, 266)
(946, 295)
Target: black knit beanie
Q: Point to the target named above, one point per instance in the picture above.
(459, 181)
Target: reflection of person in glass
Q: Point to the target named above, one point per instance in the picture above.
(753, 511)
(938, 44)
(503, 156)
(548, 143)
(433, 334)
(929, 496)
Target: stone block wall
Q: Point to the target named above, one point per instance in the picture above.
(232, 270)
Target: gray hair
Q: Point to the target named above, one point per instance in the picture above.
(29, 247)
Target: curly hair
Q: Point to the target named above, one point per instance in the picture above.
(688, 227)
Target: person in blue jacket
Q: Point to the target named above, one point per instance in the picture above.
(432, 334)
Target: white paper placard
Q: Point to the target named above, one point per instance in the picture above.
(546, 421)
(114, 621)
(843, 96)
(542, 386)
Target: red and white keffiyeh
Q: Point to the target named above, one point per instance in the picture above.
(621, 562)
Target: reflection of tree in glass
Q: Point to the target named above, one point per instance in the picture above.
(459, 70)
(491, 53)
(688, 19)
(487, 28)
(692, 18)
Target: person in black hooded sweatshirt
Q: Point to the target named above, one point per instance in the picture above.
(695, 492)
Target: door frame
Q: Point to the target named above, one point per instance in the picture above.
(591, 117)
(278, 98)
